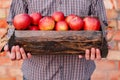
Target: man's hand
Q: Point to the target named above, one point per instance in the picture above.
(93, 54)
(17, 53)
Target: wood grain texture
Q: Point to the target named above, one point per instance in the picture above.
(59, 42)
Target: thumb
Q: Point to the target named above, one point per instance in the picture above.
(80, 56)
(6, 48)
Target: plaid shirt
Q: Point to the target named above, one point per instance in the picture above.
(58, 67)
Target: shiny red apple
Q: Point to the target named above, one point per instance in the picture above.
(61, 26)
(58, 16)
(35, 18)
(69, 17)
(76, 23)
(21, 21)
(46, 23)
(33, 28)
(91, 23)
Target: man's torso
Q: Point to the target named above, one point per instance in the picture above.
(47, 7)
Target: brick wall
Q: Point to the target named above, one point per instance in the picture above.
(106, 69)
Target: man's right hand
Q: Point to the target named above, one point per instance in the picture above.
(17, 53)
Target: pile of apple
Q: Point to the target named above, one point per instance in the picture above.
(57, 21)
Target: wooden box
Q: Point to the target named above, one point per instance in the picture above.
(59, 42)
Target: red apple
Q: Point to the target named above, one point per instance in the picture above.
(35, 18)
(58, 16)
(91, 23)
(33, 28)
(61, 26)
(69, 17)
(46, 23)
(76, 23)
(22, 21)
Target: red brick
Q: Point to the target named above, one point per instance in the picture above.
(16, 64)
(4, 4)
(108, 4)
(115, 34)
(3, 23)
(14, 71)
(4, 60)
(99, 75)
(3, 32)
(117, 5)
(112, 23)
(113, 55)
(3, 54)
(105, 65)
(7, 12)
(7, 78)
(111, 14)
(119, 24)
(111, 41)
(119, 65)
(114, 75)
(3, 71)
(119, 46)
(19, 78)
(3, 13)
(110, 34)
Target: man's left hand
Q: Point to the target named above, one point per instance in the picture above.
(93, 54)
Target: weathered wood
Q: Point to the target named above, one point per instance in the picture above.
(59, 42)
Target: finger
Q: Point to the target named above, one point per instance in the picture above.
(87, 54)
(92, 55)
(6, 48)
(18, 54)
(12, 54)
(80, 56)
(98, 55)
(24, 56)
(29, 55)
